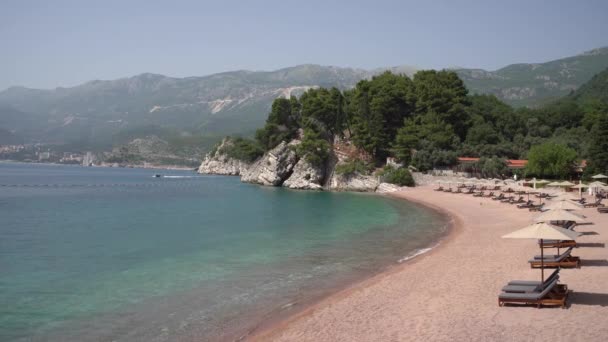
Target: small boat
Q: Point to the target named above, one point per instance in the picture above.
(158, 175)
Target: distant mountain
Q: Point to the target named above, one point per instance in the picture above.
(532, 84)
(226, 103)
(100, 114)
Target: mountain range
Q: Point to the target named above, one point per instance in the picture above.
(98, 113)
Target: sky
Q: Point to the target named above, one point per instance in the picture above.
(46, 44)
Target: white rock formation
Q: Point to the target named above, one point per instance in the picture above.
(305, 176)
(274, 167)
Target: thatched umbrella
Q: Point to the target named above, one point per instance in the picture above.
(563, 204)
(600, 176)
(542, 231)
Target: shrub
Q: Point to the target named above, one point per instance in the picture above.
(243, 149)
(354, 166)
(400, 176)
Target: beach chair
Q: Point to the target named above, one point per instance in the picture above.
(602, 210)
(564, 260)
(536, 207)
(507, 199)
(551, 294)
(440, 188)
(595, 204)
(499, 197)
(526, 205)
(479, 194)
(519, 200)
(530, 285)
(491, 194)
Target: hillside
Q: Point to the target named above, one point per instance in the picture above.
(98, 114)
(226, 103)
(532, 84)
(595, 89)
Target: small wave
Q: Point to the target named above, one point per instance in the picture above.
(416, 253)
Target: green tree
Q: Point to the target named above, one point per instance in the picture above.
(443, 93)
(429, 128)
(282, 123)
(551, 160)
(378, 108)
(598, 149)
(313, 147)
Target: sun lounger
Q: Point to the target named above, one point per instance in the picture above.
(479, 194)
(552, 294)
(499, 197)
(602, 210)
(507, 199)
(447, 190)
(536, 207)
(535, 282)
(595, 204)
(491, 194)
(530, 286)
(519, 200)
(439, 189)
(564, 260)
(526, 205)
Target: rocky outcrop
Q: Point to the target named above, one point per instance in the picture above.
(354, 182)
(305, 176)
(274, 167)
(385, 188)
(218, 163)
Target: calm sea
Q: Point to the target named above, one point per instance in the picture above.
(101, 254)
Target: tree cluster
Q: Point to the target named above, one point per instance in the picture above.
(427, 121)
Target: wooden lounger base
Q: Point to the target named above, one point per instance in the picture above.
(564, 244)
(557, 297)
(569, 262)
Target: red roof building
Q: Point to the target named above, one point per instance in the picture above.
(511, 163)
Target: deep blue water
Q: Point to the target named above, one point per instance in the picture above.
(116, 254)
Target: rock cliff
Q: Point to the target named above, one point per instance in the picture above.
(218, 163)
(306, 176)
(274, 167)
(282, 167)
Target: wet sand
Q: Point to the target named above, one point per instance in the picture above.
(450, 293)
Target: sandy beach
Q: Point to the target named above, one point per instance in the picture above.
(450, 293)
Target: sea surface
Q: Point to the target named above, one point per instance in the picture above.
(103, 254)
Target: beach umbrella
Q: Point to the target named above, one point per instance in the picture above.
(542, 231)
(580, 187)
(559, 215)
(562, 196)
(563, 204)
(600, 176)
(596, 184)
(554, 184)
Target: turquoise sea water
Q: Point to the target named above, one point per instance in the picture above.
(89, 254)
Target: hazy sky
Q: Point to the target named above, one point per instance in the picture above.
(64, 43)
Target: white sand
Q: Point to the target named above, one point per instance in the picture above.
(450, 293)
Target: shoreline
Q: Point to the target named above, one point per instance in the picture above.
(152, 167)
(268, 328)
(449, 293)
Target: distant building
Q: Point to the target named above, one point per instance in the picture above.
(511, 163)
(88, 159)
(44, 156)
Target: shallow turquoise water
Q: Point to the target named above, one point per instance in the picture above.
(116, 254)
